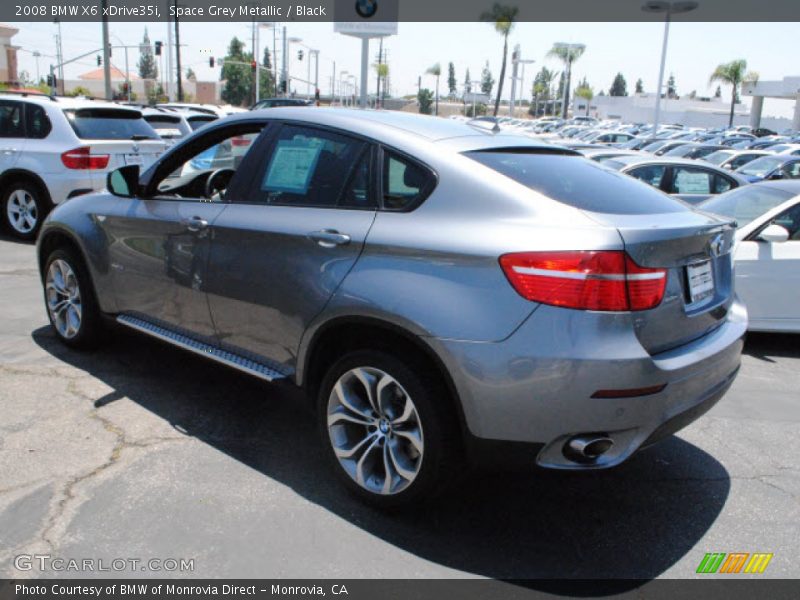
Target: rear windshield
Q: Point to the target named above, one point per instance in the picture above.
(109, 124)
(746, 203)
(579, 182)
(198, 122)
(167, 126)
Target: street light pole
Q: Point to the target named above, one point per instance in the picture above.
(669, 9)
(106, 53)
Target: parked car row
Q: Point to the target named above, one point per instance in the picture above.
(55, 148)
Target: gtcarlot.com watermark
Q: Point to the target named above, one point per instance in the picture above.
(57, 564)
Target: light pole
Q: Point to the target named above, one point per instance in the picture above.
(342, 76)
(515, 62)
(669, 9)
(571, 49)
(287, 60)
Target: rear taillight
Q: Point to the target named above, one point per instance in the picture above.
(82, 158)
(588, 280)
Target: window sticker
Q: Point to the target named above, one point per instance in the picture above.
(292, 166)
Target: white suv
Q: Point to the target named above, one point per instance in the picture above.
(52, 149)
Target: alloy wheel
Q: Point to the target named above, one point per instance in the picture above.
(63, 298)
(22, 211)
(375, 430)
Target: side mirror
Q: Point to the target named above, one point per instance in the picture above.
(774, 233)
(776, 175)
(124, 181)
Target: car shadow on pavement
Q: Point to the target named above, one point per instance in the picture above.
(763, 346)
(634, 521)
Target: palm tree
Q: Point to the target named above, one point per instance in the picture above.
(567, 54)
(382, 71)
(585, 91)
(733, 73)
(502, 17)
(436, 71)
(544, 83)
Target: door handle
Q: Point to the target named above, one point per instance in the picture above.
(329, 238)
(194, 223)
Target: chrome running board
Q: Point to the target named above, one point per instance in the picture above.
(230, 359)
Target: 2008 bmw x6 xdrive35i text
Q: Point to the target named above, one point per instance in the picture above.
(432, 284)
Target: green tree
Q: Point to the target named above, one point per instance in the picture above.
(467, 83)
(480, 110)
(425, 101)
(451, 80)
(502, 18)
(585, 91)
(567, 54)
(672, 90)
(382, 71)
(436, 71)
(639, 86)
(238, 78)
(147, 61)
(734, 74)
(487, 81)
(542, 86)
(619, 87)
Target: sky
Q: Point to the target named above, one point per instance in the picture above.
(634, 49)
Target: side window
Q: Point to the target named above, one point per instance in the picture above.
(790, 219)
(652, 174)
(188, 173)
(722, 184)
(313, 167)
(404, 183)
(37, 123)
(792, 170)
(691, 181)
(357, 193)
(11, 125)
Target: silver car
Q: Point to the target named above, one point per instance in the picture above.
(439, 289)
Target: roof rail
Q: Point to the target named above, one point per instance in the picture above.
(25, 94)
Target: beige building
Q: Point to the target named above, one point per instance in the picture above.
(8, 55)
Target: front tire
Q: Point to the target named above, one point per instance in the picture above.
(70, 301)
(386, 428)
(24, 207)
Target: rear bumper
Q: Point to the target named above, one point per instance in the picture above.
(63, 186)
(537, 385)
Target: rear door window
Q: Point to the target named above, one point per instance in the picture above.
(11, 123)
(37, 123)
(579, 182)
(652, 174)
(109, 124)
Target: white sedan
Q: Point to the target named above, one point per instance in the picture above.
(767, 252)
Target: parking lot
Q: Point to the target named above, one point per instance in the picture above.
(142, 451)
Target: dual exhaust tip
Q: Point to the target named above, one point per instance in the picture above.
(587, 448)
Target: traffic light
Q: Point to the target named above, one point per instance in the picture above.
(253, 65)
(211, 61)
(109, 48)
(299, 55)
(99, 60)
(52, 81)
(158, 49)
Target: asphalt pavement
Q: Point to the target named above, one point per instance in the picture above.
(140, 451)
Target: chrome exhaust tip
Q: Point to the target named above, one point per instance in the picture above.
(587, 447)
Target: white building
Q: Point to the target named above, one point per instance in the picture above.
(697, 112)
(787, 89)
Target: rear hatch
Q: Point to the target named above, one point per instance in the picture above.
(120, 134)
(657, 231)
(695, 249)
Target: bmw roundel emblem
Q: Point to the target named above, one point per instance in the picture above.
(366, 8)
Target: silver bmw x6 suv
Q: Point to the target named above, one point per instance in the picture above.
(435, 286)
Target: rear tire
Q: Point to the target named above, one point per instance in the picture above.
(387, 429)
(70, 300)
(24, 208)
